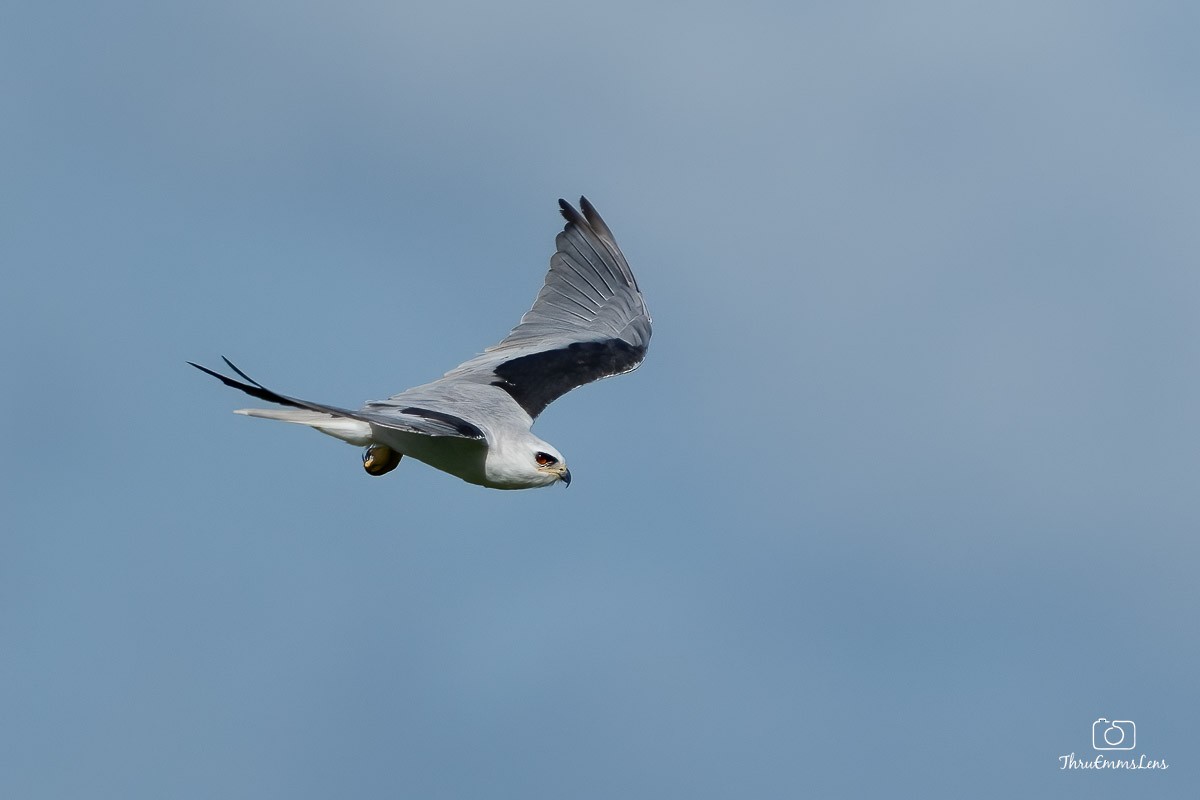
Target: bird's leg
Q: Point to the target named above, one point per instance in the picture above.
(379, 459)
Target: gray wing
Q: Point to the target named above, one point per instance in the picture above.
(588, 322)
(406, 417)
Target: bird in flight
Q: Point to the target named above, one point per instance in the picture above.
(588, 322)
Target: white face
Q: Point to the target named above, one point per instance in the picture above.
(525, 464)
(550, 462)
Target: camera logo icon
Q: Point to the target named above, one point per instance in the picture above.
(1117, 734)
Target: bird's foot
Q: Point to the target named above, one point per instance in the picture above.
(379, 459)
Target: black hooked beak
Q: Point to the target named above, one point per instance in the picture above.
(566, 477)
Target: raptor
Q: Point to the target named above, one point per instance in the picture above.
(589, 321)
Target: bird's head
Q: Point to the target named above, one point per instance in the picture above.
(550, 462)
(526, 462)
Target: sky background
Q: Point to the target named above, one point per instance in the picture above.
(901, 501)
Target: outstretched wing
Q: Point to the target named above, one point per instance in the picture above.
(588, 322)
(412, 419)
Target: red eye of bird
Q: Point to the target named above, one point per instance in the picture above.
(545, 459)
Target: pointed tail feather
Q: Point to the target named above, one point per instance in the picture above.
(354, 431)
(340, 423)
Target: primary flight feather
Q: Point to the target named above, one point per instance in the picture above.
(588, 322)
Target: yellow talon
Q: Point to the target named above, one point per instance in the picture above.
(379, 459)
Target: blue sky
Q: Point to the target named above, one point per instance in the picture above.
(903, 498)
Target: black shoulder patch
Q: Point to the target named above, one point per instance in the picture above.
(538, 379)
(459, 424)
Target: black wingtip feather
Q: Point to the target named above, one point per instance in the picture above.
(569, 213)
(241, 374)
(216, 375)
(596, 221)
(254, 388)
(589, 219)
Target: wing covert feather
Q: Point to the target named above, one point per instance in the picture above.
(588, 322)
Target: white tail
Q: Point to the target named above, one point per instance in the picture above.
(354, 431)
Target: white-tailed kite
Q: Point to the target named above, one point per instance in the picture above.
(588, 322)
